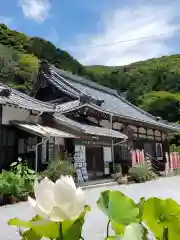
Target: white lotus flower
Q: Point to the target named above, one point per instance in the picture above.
(58, 201)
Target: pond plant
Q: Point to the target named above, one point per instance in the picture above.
(60, 214)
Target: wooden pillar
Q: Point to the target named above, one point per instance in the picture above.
(112, 142)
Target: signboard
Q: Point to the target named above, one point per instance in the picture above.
(107, 159)
(80, 162)
(107, 154)
(80, 153)
(44, 151)
(106, 169)
(51, 148)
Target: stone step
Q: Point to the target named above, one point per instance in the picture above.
(98, 183)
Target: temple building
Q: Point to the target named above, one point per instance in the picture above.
(86, 105)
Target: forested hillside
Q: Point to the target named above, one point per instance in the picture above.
(154, 85)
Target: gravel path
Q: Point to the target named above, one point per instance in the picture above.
(95, 225)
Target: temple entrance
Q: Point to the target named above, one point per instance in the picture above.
(95, 163)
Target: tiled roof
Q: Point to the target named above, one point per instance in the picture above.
(113, 102)
(63, 107)
(61, 83)
(101, 131)
(22, 100)
(43, 131)
(83, 80)
(89, 129)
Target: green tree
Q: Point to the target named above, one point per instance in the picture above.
(162, 103)
(28, 70)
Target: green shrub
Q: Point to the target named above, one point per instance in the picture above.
(10, 184)
(22, 169)
(140, 172)
(27, 176)
(57, 168)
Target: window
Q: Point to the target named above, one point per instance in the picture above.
(31, 143)
(121, 153)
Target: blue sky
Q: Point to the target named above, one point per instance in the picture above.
(77, 25)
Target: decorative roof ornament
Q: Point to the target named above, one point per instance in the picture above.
(99, 102)
(158, 118)
(5, 92)
(85, 98)
(45, 67)
(88, 99)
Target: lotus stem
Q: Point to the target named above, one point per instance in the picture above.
(107, 231)
(60, 231)
(165, 234)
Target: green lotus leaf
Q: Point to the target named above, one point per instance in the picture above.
(120, 209)
(159, 214)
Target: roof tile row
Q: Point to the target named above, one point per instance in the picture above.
(22, 100)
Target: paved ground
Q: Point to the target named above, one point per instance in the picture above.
(94, 227)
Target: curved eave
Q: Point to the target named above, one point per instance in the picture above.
(157, 124)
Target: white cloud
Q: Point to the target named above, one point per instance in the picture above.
(124, 24)
(37, 10)
(5, 20)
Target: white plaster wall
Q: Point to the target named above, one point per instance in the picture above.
(12, 113)
(157, 133)
(105, 123)
(142, 130)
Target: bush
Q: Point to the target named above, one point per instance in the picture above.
(10, 184)
(57, 168)
(18, 182)
(140, 173)
(26, 175)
